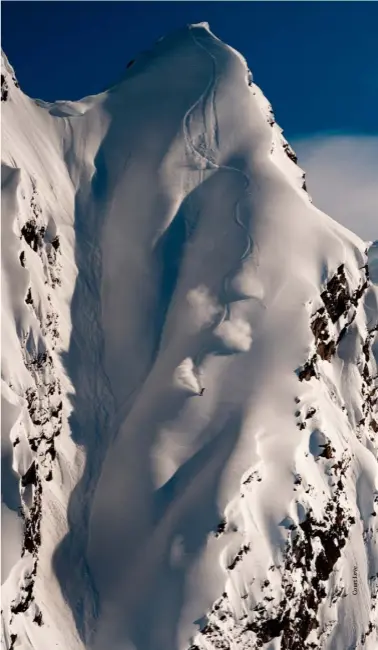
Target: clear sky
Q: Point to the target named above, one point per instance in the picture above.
(317, 62)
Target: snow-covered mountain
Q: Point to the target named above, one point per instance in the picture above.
(157, 240)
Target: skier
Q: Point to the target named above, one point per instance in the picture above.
(201, 392)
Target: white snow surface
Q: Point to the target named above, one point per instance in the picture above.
(157, 240)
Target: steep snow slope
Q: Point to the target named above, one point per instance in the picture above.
(157, 239)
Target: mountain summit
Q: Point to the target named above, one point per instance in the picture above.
(189, 380)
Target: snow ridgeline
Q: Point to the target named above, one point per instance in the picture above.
(158, 239)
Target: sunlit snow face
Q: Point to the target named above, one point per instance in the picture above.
(157, 467)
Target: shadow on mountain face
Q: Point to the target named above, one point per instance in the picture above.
(93, 403)
(186, 513)
(186, 506)
(95, 416)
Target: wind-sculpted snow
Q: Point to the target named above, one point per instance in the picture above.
(189, 373)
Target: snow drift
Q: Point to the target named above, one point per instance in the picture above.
(158, 239)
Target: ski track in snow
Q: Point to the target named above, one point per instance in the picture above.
(234, 521)
(210, 91)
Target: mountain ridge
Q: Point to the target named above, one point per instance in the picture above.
(139, 266)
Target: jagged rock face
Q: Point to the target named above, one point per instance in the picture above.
(40, 420)
(7, 81)
(189, 373)
(314, 546)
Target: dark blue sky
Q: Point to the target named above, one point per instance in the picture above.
(317, 62)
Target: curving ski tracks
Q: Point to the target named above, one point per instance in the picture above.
(210, 164)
